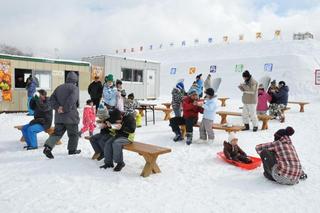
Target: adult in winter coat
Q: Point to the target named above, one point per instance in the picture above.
(191, 110)
(95, 91)
(208, 82)
(109, 92)
(200, 85)
(177, 96)
(42, 119)
(249, 100)
(281, 101)
(263, 99)
(64, 101)
(113, 147)
(31, 89)
(280, 159)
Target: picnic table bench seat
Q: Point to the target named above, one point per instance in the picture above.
(301, 103)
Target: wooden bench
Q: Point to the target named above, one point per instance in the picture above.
(264, 118)
(167, 112)
(149, 152)
(223, 101)
(300, 103)
(214, 126)
(49, 131)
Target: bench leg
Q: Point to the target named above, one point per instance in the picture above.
(264, 125)
(301, 107)
(151, 165)
(223, 119)
(223, 103)
(22, 140)
(167, 115)
(59, 142)
(183, 131)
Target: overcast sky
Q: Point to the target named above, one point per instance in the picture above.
(79, 28)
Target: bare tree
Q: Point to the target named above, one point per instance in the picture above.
(6, 49)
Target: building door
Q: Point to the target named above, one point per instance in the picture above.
(151, 84)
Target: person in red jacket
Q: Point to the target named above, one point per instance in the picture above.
(89, 118)
(191, 110)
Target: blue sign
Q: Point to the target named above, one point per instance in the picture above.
(213, 69)
(183, 43)
(173, 71)
(210, 40)
(268, 67)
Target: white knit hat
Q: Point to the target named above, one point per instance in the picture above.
(231, 137)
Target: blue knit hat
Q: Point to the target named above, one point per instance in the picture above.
(192, 92)
(180, 85)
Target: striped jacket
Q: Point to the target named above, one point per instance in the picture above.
(287, 159)
(177, 97)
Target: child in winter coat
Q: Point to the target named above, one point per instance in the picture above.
(263, 99)
(177, 96)
(130, 106)
(89, 118)
(121, 94)
(280, 159)
(191, 109)
(109, 93)
(233, 152)
(210, 107)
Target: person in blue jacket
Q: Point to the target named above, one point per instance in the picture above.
(42, 119)
(199, 81)
(31, 85)
(281, 100)
(109, 94)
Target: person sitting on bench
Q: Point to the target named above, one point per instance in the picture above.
(233, 152)
(114, 145)
(280, 159)
(191, 109)
(97, 141)
(42, 119)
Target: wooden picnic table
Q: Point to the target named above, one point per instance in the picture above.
(301, 103)
(167, 105)
(223, 101)
(143, 110)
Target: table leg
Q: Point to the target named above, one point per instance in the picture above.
(223, 119)
(141, 112)
(301, 107)
(223, 102)
(146, 116)
(150, 166)
(154, 121)
(183, 130)
(264, 125)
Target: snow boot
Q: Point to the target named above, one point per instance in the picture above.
(31, 148)
(247, 127)
(178, 136)
(303, 176)
(47, 151)
(107, 165)
(95, 156)
(100, 157)
(282, 119)
(79, 133)
(189, 138)
(74, 152)
(255, 129)
(119, 166)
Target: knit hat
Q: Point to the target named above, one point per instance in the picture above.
(123, 93)
(289, 131)
(246, 74)
(282, 83)
(192, 92)
(231, 137)
(180, 85)
(118, 81)
(102, 112)
(131, 96)
(108, 78)
(209, 91)
(199, 76)
(273, 82)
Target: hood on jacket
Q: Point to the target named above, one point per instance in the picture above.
(285, 88)
(72, 77)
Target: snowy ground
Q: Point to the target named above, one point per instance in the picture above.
(193, 179)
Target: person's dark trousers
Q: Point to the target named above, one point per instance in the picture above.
(268, 159)
(96, 102)
(175, 122)
(190, 122)
(59, 130)
(97, 142)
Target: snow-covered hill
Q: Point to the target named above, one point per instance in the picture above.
(293, 61)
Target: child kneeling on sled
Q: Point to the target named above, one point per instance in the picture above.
(233, 152)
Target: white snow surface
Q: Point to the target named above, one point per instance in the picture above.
(193, 178)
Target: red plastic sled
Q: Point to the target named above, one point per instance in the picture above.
(256, 162)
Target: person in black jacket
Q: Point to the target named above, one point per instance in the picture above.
(95, 91)
(42, 119)
(113, 147)
(281, 100)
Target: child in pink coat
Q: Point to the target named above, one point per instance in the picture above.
(89, 118)
(263, 99)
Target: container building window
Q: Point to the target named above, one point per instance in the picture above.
(44, 78)
(20, 77)
(132, 75)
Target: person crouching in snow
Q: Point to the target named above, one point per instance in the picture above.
(177, 97)
(280, 159)
(113, 147)
(233, 152)
(191, 109)
(263, 99)
(210, 107)
(88, 118)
